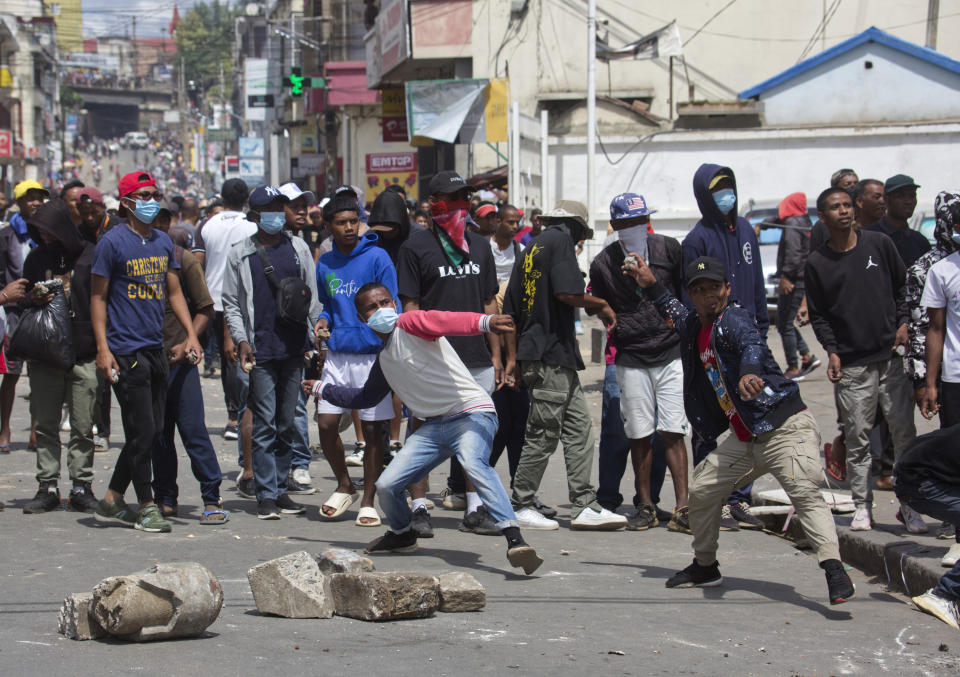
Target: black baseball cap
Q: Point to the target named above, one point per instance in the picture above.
(898, 181)
(343, 198)
(706, 268)
(447, 183)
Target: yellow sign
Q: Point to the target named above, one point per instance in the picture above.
(393, 101)
(495, 110)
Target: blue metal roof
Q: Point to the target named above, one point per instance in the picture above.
(872, 34)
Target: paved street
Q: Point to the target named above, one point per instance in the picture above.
(596, 593)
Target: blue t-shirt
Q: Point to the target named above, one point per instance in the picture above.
(137, 270)
(275, 339)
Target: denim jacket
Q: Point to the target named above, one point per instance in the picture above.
(739, 349)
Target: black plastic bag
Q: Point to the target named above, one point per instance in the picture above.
(45, 333)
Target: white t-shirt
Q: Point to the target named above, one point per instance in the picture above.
(220, 233)
(503, 259)
(942, 290)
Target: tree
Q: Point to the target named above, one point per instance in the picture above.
(204, 38)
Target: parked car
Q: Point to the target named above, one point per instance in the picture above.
(136, 140)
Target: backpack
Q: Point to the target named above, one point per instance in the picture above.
(293, 296)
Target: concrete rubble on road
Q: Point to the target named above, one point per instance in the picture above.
(291, 586)
(76, 618)
(340, 561)
(386, 596)
(461, 592)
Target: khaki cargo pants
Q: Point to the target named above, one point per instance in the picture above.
(558, 414)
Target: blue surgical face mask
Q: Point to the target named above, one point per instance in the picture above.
(272, 222)
(955, 237)
(384, 320)
(726, 199)
(146, 210)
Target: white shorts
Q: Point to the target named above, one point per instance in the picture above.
(651, 398)
(351, 370)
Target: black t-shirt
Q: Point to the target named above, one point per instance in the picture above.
(548, 266)
(426, 274)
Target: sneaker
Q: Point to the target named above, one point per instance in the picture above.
(479, 522)
(644, 518)
(302, 476)
(288, 507)
(151, 520)
(862, 519)
(839, 585)
(912, 520)
(296, 488)
(591, 520)
(65, 423)
(662, 515)
(941, 607)
(355, 459)
(430, 504)
(809, 364)
(544, 510)
(453, 501)
(696, 576)
(231, 432)
(524, 556)
(267, 510)
(118, 512)
(793, 373)
(46, 499)
(680, 521)
(391, 542)
(420, 523)
(727, 523)
(946, 531)
(82, 498)
(528, 518)
(246, 488)
(952, 556)
(745, 519)
(391, 453)
(101, 444)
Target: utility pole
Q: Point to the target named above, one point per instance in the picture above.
(933, 15)
(591, 105)
(182, 102)
(223, 124)
(136, 54)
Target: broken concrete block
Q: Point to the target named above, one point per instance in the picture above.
(340, 561)
(76, 618)
(390, 596)
(291, 586)
(163, 602)
(461, 592)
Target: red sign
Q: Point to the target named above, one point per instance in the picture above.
(395, 128)
(233, 163)
(33, 152)
(6, 143)
(388, 163)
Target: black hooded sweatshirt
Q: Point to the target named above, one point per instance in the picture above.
(70, 259)
(389, 207)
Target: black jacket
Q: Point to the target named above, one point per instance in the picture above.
(642, 337)
(794, 247)
(71, 257)
(390, 208)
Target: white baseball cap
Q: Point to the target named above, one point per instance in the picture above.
(292, 191)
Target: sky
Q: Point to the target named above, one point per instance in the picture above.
(110, 17)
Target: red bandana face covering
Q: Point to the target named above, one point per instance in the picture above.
(451, 216)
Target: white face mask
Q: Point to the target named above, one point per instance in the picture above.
(634, 239)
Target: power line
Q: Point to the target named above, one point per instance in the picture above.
(709, 21)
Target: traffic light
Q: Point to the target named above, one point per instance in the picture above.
(295, 81)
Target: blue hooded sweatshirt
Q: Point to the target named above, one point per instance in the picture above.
(737, 248)
(339, 277)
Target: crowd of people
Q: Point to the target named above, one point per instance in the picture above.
(455, 317)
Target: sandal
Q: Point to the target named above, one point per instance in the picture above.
(207, 514)
(368, 513)
(340, 502)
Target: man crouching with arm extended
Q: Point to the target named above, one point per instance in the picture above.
(732, 381)
(423, 369)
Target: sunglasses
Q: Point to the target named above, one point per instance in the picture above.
(145, 196)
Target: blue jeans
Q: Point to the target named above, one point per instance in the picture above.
(940, 501)
(468, 437)
(301, 449)
(243, 391)
(615, 449)
(184, 409)
(274, 393)
(787, 307)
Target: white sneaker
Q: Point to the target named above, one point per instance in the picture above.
(302, 476)
(590, 519)
(65, 423)
(911, 520)
(862, 519)
(356, 458)
(952, 556)
(944, 609)
(531, 519)
(452, 501)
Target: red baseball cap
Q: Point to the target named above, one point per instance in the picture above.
(485, 210)
(91, 194)
(134, 181)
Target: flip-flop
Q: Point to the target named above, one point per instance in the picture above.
(340, 502)
(213, 522)
(4, 448)
(368, 513)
